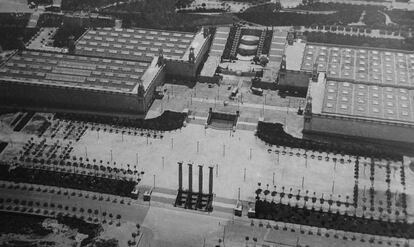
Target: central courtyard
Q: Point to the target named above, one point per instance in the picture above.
(241, 161)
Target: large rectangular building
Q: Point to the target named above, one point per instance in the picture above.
(145, 44)
(384, 67)
(360, 92)
(47, 80)
(108, 71)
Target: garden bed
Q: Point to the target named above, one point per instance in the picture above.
(90, 229)
(3, 145)
(166, 122)
(273, 133)
(31, 230)
(280, 212)
(22, 224)
(23, 121)
(9, 36)
(267, 42)
(67, 180)
(229, 43)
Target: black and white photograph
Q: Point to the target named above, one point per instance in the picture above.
(207, 123)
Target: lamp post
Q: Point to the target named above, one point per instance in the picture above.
(263, 107)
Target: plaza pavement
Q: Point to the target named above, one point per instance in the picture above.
(240, 162)
(231, 154)
(199, 99)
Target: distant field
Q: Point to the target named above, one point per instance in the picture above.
(14, 6)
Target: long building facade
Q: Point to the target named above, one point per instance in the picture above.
(108, 71)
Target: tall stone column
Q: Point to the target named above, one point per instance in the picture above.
(190, 177)
(180, 176)
(200, 179)
(210, 181)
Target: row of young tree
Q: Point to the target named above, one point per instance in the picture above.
(272, 210)
(67, 180)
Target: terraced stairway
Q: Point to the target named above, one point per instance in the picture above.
(235, 42)
(261, 43)
(33, 19)
(222, 121)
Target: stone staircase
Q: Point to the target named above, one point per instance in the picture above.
(33, 19)
(261, 43)
(235, 42)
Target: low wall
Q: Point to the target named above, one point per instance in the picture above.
(210, 79)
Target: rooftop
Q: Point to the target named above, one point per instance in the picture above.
(389, 68)
(73, 71)
(216, 50)
(294, 55)
(277, 49)
(134, 44)
(294, 78)
(369, 101)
